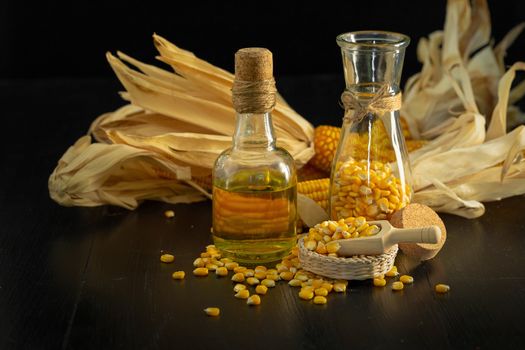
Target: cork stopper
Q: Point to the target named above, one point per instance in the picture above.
(419, 215)
(253, 64)
(253, 89)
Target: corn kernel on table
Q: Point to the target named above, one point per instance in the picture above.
(91, 278)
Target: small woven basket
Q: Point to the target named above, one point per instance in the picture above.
(359, 267)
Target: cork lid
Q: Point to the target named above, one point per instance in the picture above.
(253, 64)
(419, 215)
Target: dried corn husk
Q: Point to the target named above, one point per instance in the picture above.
(185, 119)
(117, 174)
(451, 101)
(199, 101)
(461, 101)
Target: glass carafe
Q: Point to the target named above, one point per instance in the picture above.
(371, 172)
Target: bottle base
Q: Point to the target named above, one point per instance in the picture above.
(254, 251)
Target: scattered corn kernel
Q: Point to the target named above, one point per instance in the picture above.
(327, 286)
(319, 300)
(252, 281)
(274, 277)
(211, 267)
(301, 277)
(200, 271)
(281, 268)
(238, 277)
(295, 283)
(178, 275)
(239, 269)
(316, 283)
(397, 285)
(212, 311)
(199, 263)
(286, 263)
(169, 214)
(286, 275)
(167, 258)
(268, 283)
(306, 294)
(442, 288)
(392, 272)
(217, 262)
(254, 300)
(243, 294)
(260, 275)
(379, 282)
(261, 289)
(260, 269)
(309, 288)
(339, 287)
(406, 279)
(221, 271)
(230, 265)
(249, 273)
(321, 292)
(238, 287)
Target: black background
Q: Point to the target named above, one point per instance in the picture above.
(69, 38)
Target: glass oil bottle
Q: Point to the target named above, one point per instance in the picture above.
(254, 181)
(371, 172)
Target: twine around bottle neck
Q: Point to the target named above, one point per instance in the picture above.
(381, 102)
(254, 96)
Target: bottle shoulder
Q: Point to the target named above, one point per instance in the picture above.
(255, 158)
(271, 169)
(284, 153)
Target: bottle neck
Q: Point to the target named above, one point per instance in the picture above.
(253, 131)
(367, 71)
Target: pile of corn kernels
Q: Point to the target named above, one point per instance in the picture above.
(250, 284)
(368, 189)
(321, 238)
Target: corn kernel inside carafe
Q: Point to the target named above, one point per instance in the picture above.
(367, 188)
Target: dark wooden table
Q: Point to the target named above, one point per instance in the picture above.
(90, 278)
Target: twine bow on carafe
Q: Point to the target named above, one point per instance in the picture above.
(380, 103)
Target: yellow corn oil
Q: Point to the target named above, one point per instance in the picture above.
(254, 224)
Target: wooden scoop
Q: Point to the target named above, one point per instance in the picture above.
(386, 238)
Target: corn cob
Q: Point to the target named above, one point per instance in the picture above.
(316, 190)
(326, 139)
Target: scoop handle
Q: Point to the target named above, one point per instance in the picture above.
(428, 234)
